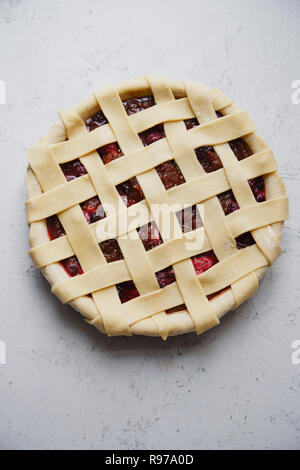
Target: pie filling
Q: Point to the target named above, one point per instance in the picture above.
(131, 193)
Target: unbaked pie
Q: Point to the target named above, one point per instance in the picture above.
(97, 183)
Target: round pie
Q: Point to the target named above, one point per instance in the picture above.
(119, 165)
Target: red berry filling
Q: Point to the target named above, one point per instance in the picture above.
(170, 174)
(204, 262)
(127, 291)
(257, 186)
(240, 148)
(176, 309)
(109, 152)
(111, 250)
(152, 135)
(189, 219)
(72, 266)
(73, 169)
(150, 236)
(228, 202)
(130, 192)
(92, 210)
(95, 121)
(54, 227)
(244, 240)
(208, 158)
(190, 123)
(165, 276)
(136, 105)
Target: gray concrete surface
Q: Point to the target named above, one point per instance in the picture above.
(64, 384)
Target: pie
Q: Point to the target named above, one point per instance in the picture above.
(98, 180)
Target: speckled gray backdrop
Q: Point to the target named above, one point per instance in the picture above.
(64, 384)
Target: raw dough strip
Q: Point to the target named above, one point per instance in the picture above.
(133, 250)
(195, 300)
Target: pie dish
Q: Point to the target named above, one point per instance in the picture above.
(121, 154)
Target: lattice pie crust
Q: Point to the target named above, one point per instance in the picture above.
(237, 272)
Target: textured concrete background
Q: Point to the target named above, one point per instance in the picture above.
(67, 386)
